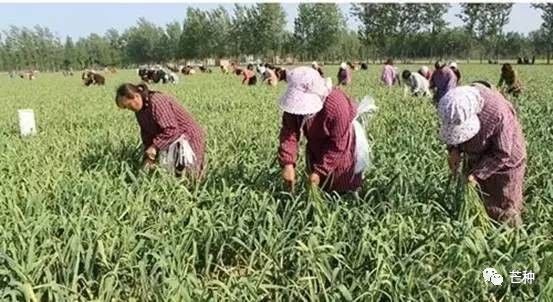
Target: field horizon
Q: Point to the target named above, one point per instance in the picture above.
(80, 221)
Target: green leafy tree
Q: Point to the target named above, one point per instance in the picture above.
(69, 54)
(142, 42)
(387, 27)
(195, 41)
(219, 27)
(270, 20)
(547, 27)
(484, 22)
(243, 33)
(317, 28)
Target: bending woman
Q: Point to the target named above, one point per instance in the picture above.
(481, 124)
(169, 133)
(325, 116)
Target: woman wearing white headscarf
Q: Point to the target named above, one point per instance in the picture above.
(479, 123)
(325, 116)
(425, 72)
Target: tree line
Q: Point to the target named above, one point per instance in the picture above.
(398, 30)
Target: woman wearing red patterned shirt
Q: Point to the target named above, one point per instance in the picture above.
(479, 123)
(168, 131)
(324, 115)
(249, 75)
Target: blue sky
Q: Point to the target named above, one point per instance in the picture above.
(81, 19)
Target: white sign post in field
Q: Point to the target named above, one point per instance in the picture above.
(27, 122)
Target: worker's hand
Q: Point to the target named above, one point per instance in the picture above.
(150, 153)
(472, 180)
(454, 160)
(314, 179)
(289, 176)
(148, 165)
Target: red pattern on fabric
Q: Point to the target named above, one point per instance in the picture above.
(330, 142)
(163, 120)
(497, 154)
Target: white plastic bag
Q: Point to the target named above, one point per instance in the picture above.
(179, 153)
(362, 148)
(365, 109)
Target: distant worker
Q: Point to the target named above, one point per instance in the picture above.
(415, 83)
(425, 72)
(270, 76)
(318, 68)
(344, 75)
(456, 70)
(389, 75)
(509, 83)
(443, 79)
(249, 75)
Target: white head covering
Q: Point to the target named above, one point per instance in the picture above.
(314, 64)
(343, 65)
(458, 110)
(424, 69)
(453, 64)
(306, 91)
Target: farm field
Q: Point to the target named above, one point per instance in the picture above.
(79, 221)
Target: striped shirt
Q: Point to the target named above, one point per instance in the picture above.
(330, 142)
(163, 120)
(499, 145)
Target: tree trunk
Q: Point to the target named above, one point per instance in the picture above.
(548, 56)
(469, 50)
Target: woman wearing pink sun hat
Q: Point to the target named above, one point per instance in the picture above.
(324, 115)
(480, 124)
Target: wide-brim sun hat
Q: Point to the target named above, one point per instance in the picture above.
(458, 110)
(306, 91)
(456, 134)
